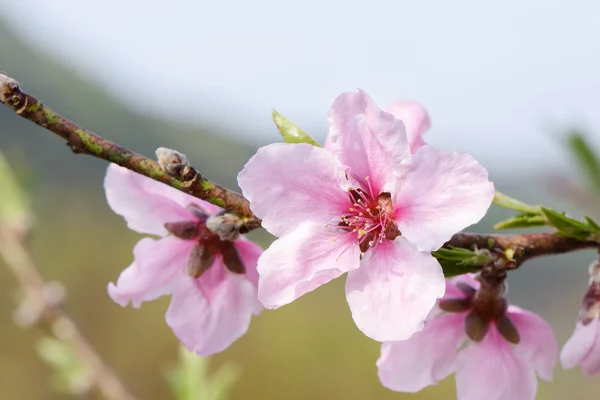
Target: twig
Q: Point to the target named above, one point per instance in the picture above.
(524, 247)
(82, 141)
(50, 314)
(191, 181)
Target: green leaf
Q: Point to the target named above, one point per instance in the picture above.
(190, 379)
(522, 221)
(14, 205)
(572, 228)
(505, 201)
(290, 132)
(70, 374)
(585, 156)
(459, 261)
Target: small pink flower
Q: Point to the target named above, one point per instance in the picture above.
(367, 206)
(583, 347)
(213, 283)
(511, 346)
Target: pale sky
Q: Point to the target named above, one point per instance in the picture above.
(496, 77)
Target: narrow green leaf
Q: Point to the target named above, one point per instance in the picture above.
(522, 221)
(505, 201)
(458, 261)
(290, 132)
(586, 157)
(14, 205)
(568, 226)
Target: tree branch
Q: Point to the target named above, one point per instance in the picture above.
(524, 247)
(47, 310)
(82, 141)
(192, 182)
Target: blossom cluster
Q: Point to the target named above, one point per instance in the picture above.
(372, 203)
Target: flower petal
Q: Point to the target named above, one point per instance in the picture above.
(439, 194)
(288, 184)
(415, 119)
(583, 348)
(249, 253)
(426, 358)
(370, 141)
(394, 290)
(144, 203)
(303, 260)
(209, 313)
(538, 343)
(156, 262)
(490, 370)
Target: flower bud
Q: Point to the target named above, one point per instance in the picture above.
(226, 226)
(171, 161)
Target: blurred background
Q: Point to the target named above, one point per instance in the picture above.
(503, 81)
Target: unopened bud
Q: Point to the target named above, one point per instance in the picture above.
(507, 329)
(232, 259)
(476, 327)
(590, 306)
(226, 226)
(183, 229)
(594, 271)
(171, 161)
(199, 261)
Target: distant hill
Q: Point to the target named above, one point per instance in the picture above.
(89, 105)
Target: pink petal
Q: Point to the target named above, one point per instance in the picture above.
(538, 343)
(415, 119)
(439, 194)
(394, 290)
(211, 312)
(453, 292)
(288, 184)
(583, 347)
(371, 142)
(426, 358)
(144, 203)
(249, 253)
(150, 275)
(490, 370)
(303, 260)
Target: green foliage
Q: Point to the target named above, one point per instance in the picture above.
(459, 261)
(290, 132)
(585, 156)
(522, 221)
(569, 227)
(190, 380)
(14, 205)
(70, 374)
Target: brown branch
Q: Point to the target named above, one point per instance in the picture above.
(524, 246)
(190, 181)
(47, 311)
(82, 141)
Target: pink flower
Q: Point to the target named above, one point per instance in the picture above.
(213, 283)
(415, 119)
(583, 347)
(510, 346)
(363, 205)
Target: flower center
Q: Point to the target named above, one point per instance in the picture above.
(208, 244)
(369, 218)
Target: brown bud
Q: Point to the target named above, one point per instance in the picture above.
(183, 229)
(476, 327)
(199, 261)
(171, 161)
(226, 226)
(231, 258)
(507, 329)
(456, 305)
